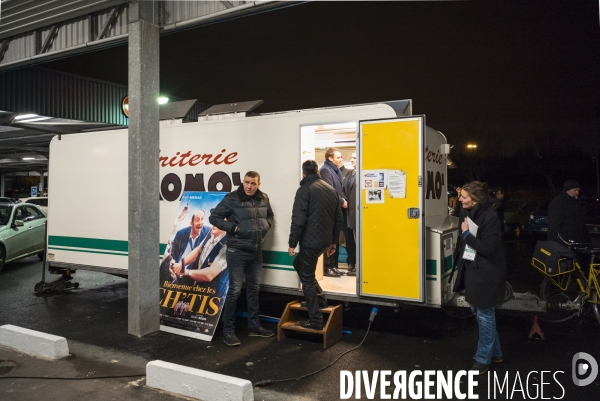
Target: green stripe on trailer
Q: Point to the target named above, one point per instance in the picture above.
(89, 243)
(447, 263)
(276, 260)
(430, 267)
(93, 245)
(60, 248)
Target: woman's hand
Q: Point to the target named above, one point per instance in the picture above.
(464, 226)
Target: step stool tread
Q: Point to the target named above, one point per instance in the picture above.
(295, 325)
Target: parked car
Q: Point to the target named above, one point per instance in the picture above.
(516, 216)
(22, 231)
(41, 201)
(591, 211)
(4, 199)
(538, 220)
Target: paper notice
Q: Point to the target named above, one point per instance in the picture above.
(470, 253)
(374, 179)
(397, 183)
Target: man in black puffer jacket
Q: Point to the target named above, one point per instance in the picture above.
(316, 224)
(246, 215)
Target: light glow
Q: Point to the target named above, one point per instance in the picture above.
(25, 116)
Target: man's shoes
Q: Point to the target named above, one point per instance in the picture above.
(495, 359)
(329, 272)
(351, 270)
(260, 332)
(307, 324)
(480, 368)
(231, 339)
(337, 271)
(322, 304)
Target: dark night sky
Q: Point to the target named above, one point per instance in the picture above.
(508, 70)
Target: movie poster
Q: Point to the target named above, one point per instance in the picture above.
(193, 272)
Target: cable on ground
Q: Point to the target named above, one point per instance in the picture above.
(267, 382)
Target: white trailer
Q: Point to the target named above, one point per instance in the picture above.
(404, 243)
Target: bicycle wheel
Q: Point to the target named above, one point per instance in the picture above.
(556, 300)
(595, 307)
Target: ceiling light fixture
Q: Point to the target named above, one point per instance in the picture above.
(35, 119)
(25, 116)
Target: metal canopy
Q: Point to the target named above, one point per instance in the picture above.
(24, 143)
(34, 31)
(37, 104)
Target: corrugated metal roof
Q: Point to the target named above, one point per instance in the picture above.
(20, 16)
(49, 93)
(78, 23)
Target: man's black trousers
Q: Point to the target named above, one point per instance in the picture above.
(305, 264)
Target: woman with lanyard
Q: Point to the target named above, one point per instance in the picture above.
(481, 268)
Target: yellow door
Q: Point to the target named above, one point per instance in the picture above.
(391, 223)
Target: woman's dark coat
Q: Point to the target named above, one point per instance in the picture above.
(485, 277)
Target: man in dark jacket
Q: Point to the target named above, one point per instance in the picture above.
(331, 174)
(350, 223)
(316, 224)
(565, 216)
(246, 215)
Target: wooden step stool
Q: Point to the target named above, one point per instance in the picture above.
(332, 319)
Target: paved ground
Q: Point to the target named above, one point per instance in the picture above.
(93, 318)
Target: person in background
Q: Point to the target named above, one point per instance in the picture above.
(316, 224)
(332, 175)
(481, 269)
(565, 216)
(452, 199)
(350, 223)
(246, 216)
(501, 203)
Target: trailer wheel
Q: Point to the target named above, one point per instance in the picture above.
(508, 292)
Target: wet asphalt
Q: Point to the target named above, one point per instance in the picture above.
(93, 319)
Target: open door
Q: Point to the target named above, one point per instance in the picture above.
(391, 225)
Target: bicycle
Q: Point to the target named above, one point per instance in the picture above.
(566, 298)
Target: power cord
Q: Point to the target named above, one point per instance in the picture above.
(264, 383)
(261, 383)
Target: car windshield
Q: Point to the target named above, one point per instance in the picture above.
(513, 206)
(5, 211)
